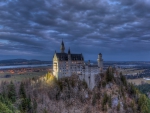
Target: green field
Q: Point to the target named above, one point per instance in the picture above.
(19, 77)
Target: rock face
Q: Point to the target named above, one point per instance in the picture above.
(115, 102)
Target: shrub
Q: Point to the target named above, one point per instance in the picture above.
(60, 84)
(103, 84)
(84, 84)
(144, 104)
(4, 108)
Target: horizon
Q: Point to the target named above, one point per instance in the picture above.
(34, 29)
(84, 60)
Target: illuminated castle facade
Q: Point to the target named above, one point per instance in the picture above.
(67, 64)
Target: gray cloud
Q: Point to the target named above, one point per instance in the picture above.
(114, 27)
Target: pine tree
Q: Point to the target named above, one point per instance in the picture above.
(109, 75)
(4, 92)
(29, 106)
(22, 91)
(34, 105)
(118, 107)
(110, 101)
(104, 101)
(11, 92)
(94, 99)
(123, 79)
(23, 106)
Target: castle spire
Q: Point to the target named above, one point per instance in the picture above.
(62, 48)
(69, 51)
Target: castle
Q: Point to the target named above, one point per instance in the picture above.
(67, 64)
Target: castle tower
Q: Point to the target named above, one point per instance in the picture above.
(100, 61)
(69, 62)
(62, 48)
(69, 55)
(69, 51)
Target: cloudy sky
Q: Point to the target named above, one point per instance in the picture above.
(33, 29)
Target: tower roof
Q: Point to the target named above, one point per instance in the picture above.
(62, 48)
(69, 51)
(74, 57)
(62, 43)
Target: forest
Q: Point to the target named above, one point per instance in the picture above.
(47, 95)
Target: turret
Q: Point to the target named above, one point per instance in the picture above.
(69, 51)
(62, 48)
(100, 61)
(69, 62)
(69, 54)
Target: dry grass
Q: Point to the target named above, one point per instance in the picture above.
(138, 81)
(132, 71)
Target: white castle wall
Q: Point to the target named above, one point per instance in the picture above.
(87, 72)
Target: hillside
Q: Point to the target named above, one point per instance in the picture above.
(47, 95)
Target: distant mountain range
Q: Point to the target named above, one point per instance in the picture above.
(22, 62)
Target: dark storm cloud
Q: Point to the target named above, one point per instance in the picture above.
(113, 27)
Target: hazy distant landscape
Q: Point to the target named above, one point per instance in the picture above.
(21, 69)
(22, 62)
(135, 71)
